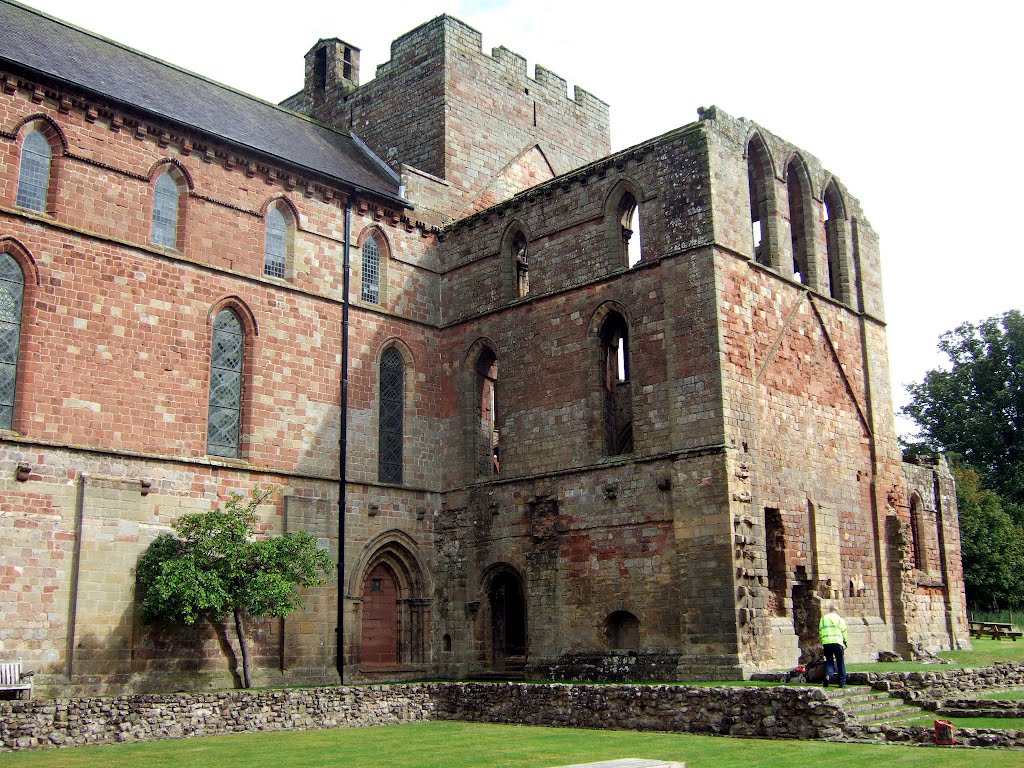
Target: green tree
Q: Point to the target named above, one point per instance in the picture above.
(992, 545)
(211, 567)
(976, 408)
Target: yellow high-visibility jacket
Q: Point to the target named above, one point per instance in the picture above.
(832, 629)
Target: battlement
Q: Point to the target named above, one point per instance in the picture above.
(448, 32)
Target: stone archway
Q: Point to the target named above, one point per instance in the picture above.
(506, 617)
(392, 626)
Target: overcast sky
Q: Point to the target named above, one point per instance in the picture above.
(915, 106)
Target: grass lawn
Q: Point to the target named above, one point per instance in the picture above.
(986, 653)
(999, 723)
(1000, 695)
(470, 745)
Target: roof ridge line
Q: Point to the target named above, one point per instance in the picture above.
(175, 67)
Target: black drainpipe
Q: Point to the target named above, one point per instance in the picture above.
(343, 446)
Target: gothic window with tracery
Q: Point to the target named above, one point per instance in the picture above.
(392, 416)
(371, 271)
(12, 296)
(226, 363)
(165, 211)
(276, 250)
(34, 173)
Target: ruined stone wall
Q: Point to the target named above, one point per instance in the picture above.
(589, 533)
(755, 713)
(808, 407)
(928, 533)
(74, 722)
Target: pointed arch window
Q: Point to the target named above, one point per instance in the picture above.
(226, 363)
(371, 271)
(275, 257)
(522, 257)
(616, 388)
(798, 188)
(487, 439)
(12, 298)
(166, 198)
(34, 173)
(760, 180)
(390, 439)
(836, 242)
(629, 229)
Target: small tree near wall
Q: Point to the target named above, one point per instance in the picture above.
(211, 567)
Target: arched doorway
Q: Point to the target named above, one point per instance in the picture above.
(622, 629)
(391, 624)
(506, 600)
(381, 630)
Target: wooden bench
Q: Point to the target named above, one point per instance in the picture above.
(13, 679)
(997, 630)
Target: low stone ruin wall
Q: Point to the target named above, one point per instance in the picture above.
(65, 722)
(943, 684)
(979, 708)
(783, 713)
(925, 736)
(786, 713)
(776, 712)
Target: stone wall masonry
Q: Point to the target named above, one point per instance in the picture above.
(939, 685)
(792, 713)
(788, 713)
(73, 722)
(573, 235)
(925, 736)
(780, 712)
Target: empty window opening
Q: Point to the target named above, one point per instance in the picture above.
(488, 460)
(799, 207)
(629, 224)
(347, 64)
(520, 250)
(226, 360)
(275, 257)
(34, 173)
(12, 299)
(320, 69)
(759, 180)
(371, 271)
(835, 216)
(616, 389)
(775, 546)
(390, 442)
(165, 211)
(622, 629)
(446, 643)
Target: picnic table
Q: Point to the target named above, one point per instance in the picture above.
(997, 630)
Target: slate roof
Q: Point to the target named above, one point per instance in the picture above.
(33, 41)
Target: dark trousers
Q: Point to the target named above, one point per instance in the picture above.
(835, 665)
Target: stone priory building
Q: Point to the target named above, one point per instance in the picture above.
(603, 416)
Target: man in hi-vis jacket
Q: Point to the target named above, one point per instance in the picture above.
(832, 630)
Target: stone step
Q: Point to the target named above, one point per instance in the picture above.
(870, 707)
(889, 715)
